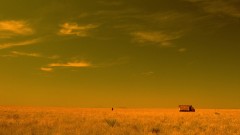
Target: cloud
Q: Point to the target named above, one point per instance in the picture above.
(26, 54)
(11, 28)
(182, 50)
(16, 54)
(149, 73)
(47, 69)
(75, 29)
(226, 7)
(15, 44)
(74, 64)
(85, 64)
(160, 38)
(163, 17)
(53, 57)
(70, 64)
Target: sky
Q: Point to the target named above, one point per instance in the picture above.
(120, 53)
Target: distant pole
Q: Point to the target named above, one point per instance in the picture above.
(112, 109)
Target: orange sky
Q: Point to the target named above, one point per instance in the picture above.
(120, 53)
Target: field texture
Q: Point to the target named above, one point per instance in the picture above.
(73, 121)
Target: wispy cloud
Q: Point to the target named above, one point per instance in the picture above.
(76, 29)
(163, 17)
(11, 28)
(182, 50)
(46, 69)
(30, 54)
(74, 64)
(16, 53)
(21, 43)
(226, 7)
(70, 64)
(159, 38)
(85, 64)
(149, 73)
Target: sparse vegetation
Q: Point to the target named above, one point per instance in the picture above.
(62, 121)
(156, 130)
(111, 122)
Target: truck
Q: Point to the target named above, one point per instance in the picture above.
(186, 108)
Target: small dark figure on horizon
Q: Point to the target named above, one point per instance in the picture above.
(112, 109)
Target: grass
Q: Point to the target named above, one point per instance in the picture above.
(74, 121)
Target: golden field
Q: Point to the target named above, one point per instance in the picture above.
(121, 121)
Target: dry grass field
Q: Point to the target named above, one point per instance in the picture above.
(74, 121)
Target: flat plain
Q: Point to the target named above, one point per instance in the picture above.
(120, 121)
